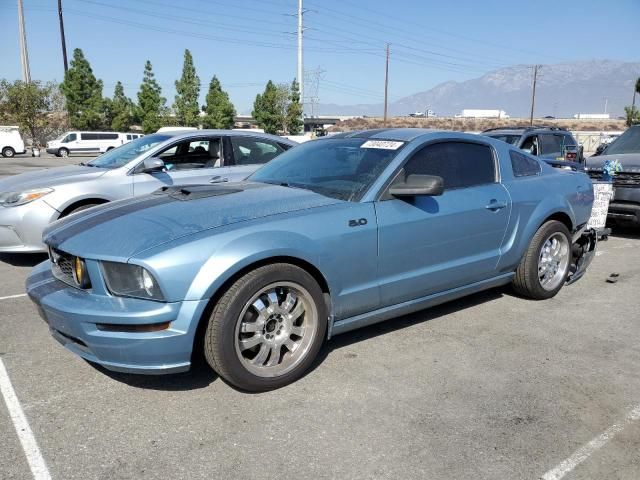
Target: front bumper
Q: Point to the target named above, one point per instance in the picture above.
(583, 251)
(21, 227)
(624, 212)
(73, 317)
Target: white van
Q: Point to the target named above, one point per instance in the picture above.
(85, 143)
(10, 141)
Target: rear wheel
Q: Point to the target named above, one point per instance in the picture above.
(543, 269)
(267, 328)
(8, 152)
(63, 152)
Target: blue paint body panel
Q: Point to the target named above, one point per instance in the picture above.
(408, 255)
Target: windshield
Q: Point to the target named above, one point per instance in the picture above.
(124, 154)
(509, 138)
(628, 142)
(61, 137)
(342, 168)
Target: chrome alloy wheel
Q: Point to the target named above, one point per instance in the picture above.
(553, 261)
(276, 328)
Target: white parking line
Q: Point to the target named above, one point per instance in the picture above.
(29, 445)
(13, 296)
(586, 450)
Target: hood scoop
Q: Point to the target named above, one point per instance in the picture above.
(194, 192)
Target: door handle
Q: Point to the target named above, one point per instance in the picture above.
(495, 205)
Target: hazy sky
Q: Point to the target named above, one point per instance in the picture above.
(247, 42)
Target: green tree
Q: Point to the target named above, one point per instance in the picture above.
(83, 94)
(151, 104)
(294, 110)
(188, 91)
(219, 110)
(30, 105)
(269, 108)
(632, 113)
(121, 110)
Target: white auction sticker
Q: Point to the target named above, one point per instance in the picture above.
(383, 144)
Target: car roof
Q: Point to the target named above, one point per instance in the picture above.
(399, 134)
(521, 130)
(185, 134)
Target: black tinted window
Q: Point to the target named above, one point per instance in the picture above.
(459, 164)
(522, 165)
(550, 143)
(88, 136)
(107, 136)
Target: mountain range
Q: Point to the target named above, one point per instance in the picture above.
(562, 90)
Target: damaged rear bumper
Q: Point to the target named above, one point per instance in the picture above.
(583, 250)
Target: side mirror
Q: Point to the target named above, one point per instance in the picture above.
(418, 185)
(151, 165)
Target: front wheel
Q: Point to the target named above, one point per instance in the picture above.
(544, 268)
(267, 328)
(8, 152)
(63, 152)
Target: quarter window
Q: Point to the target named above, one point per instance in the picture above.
(522, 165)
(459, 164)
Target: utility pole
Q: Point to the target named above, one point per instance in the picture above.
(386, 86)
(24, 54)
(300, 65)
(533, 94)
(64, 43)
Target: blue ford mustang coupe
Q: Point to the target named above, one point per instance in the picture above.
(333, 235)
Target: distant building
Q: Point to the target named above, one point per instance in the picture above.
(592, 116)
(476, 113)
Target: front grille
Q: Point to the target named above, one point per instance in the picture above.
(620, 179)
(62, 266)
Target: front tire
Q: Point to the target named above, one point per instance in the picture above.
(63, 152)
(8, 152)
(544, 268)
(267, 328)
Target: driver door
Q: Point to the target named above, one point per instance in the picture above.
(195, 160)
(430, 244)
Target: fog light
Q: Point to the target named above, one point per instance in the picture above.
(80, 273)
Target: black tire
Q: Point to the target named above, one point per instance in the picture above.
(62, 152)
(220, 334)
(8, 152)
(526, 281)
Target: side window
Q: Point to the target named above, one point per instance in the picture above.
(70, 138)
(192, 154)
(522, 165)
(248, 151)
(550, 144)
(459, 164)
(530, 145)
(128, 137)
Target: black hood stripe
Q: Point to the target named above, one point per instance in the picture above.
(63, 233)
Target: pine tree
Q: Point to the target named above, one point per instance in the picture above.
(188, 91)
(219, 110)
(266, 110)
(151, 105)
(294, 110)
(83, 94)
(121, 110)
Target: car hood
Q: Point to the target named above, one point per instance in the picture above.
(119, 230)
(630, 161)
(50, 177)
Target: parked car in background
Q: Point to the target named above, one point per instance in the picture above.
(84, 143)
(624, 208)
(30, 201)
(606, 141)
(549, 143)
(333, 235)
(10, 141)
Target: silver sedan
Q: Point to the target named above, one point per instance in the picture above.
(29, 202)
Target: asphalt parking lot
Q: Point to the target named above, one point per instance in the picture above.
(492, 386)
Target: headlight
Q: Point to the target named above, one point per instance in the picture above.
(128, 280)
(13, 199)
